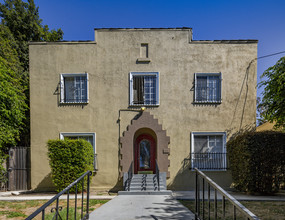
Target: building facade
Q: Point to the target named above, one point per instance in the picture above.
(142, 95)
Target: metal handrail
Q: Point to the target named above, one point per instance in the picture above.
(67, 189)
(157, 174)
(95, 162)
(130, 176)
(217, 188)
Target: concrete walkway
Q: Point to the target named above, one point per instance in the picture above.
(129, 207)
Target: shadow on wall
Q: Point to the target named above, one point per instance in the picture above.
(118, 186)
(185, 178)
(244, 89)
(46, 185)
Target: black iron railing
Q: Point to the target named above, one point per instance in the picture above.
(157, 175)
(209, 161)
(57, 209)
(202, 182)
(127, 183)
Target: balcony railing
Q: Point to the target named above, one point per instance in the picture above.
(209, 161)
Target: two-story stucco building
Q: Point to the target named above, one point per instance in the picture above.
(142, 95)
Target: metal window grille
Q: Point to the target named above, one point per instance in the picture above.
(209, 152)
(75, 89)
(209, 161)
(144, 90)
(208, 89)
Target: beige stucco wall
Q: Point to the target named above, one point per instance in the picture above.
(108, 61)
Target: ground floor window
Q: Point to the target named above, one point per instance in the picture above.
(208, 150)
(90, 137)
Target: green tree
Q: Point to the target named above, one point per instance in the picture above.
(20, 24)
(12, 106)
(8, 49)
(273, 101)
(22, 18)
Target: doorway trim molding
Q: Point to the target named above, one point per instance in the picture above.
(145, 120)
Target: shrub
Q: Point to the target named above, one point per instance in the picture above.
(69, 159)
(257, 161)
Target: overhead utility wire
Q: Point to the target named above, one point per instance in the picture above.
(273, 54)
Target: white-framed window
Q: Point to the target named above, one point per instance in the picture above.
(88, 136)
(208, 150)
(144, 88)
(74, 88)
(208, 87)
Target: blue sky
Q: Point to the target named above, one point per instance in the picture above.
(263, 20)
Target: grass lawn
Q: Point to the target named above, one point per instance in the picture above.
(265, 210)
(22, 209)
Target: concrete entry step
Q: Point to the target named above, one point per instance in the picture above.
(147, 184)
(147, 192)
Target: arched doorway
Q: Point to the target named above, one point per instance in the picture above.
(145, 123)
(144, 154)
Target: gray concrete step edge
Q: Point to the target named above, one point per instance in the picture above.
(147, 188)
(163, 192)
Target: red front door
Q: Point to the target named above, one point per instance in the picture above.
(144, 154)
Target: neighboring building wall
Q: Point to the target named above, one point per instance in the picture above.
(268, 126)
(108, 62)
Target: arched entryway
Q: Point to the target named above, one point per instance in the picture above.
(144, 154)
(144, 124)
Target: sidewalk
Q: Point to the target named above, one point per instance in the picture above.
(190, 195)
(8, 196)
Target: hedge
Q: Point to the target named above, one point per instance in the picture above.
(68, 160)
(257, 161)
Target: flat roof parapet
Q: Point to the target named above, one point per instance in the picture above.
(61, 42)
(145, 29)
(240, 41)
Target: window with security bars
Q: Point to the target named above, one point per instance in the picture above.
(208, 88)
(74, 88)
(144, 89)
(209, 151)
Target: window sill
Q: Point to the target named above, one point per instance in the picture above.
(74, 103)
(143, 60)
(207, 102)
(142, 105)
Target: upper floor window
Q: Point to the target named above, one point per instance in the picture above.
(74, 88)
(208, 150)
(208, 87)
(144, 88)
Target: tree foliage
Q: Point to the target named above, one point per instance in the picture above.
(20, 23)
(12, 106)
(22, 18)
(257, 161)
(273, 101)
